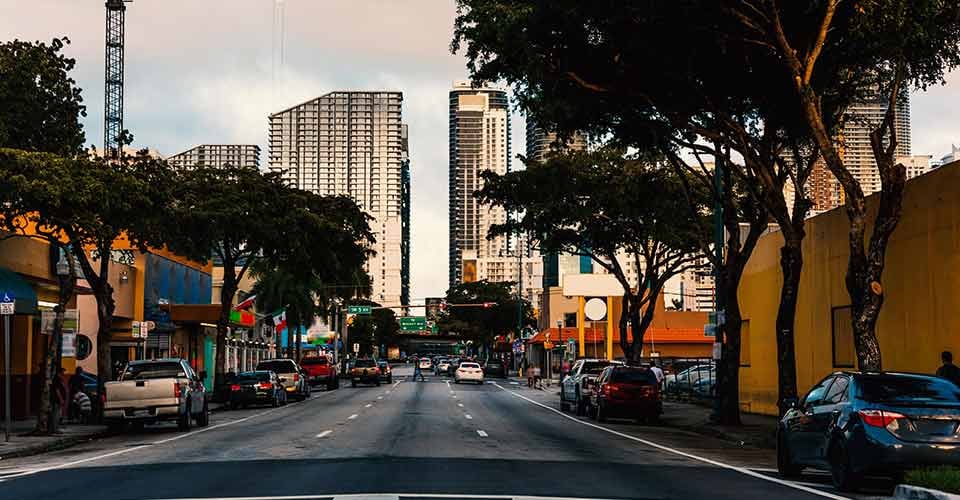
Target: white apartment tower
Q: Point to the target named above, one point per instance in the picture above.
(860, 119)
(218, 155)
(352, 143)
(479, 140)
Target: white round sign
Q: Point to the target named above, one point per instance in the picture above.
(595, 309)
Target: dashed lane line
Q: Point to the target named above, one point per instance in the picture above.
(368, 405)
(468, 416)
(324, 434)
(741, 470)
(482, 433)
(351, 417)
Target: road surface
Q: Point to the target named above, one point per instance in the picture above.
(408, 439)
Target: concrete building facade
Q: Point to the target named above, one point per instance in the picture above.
(351, 143)
(479, 120)
(218, 155)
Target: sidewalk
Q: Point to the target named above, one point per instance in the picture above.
(758, 431)
(22, 444)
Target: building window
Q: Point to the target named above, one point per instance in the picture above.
(569, 320)
(841, 326)
(745, 343)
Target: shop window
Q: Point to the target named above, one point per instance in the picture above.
(745, 343)
(569, 320)
(842, 337)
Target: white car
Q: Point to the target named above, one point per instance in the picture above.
(425, 363)
(469, 372)
(443, 367)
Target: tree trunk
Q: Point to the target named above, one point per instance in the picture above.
(791, 264)
(728, 367)
(227, 291)
(640, 325)
(624, 321)
(47, 414)
(103, 292)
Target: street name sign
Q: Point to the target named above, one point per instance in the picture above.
(365, 310)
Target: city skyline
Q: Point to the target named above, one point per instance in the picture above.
(223, 94)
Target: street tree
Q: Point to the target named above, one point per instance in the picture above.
(478, 311)
(380, 327)
(93, 208)
(615, 207)
(280, 289)
(832, 54)
(614, 70)
(243, 217)
(40, 104)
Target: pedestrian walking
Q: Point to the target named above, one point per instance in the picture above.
(949, 370)
(657, 372)
(81, 407)
(417, 371)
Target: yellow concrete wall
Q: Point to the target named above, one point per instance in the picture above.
(921, 284)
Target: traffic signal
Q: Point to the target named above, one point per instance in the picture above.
(350, 318)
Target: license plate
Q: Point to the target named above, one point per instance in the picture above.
(936, 427)
(141, 413)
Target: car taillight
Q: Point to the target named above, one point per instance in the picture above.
(235, 387)
(176, 389)
(265, 386)
(879, 418)
(296, 377)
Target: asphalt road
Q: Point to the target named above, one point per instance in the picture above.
(412, 439)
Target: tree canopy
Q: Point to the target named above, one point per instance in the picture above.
(478, 323)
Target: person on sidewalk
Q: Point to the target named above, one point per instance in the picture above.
(657, 372)
(81, 407)
(949, 370)
(76, 382)
(417, 371)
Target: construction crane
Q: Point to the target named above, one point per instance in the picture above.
(113, 79)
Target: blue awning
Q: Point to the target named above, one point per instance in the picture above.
(25, 297)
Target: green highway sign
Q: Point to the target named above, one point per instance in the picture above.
(359, 310)
(413, 323)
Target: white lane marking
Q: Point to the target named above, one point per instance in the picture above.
(368, 405)
(324, 434)
(395, 384)
(460, 405)
(514, 383)
(467, 416)
(379, 397)
(124, 451)
(388, 392)
(351, 417)
(448, 383)
(691, 456)
(482, 434)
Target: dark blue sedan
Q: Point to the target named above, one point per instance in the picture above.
(854, 424)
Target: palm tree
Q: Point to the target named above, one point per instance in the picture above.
(278, 288)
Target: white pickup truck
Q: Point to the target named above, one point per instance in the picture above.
(156, 390)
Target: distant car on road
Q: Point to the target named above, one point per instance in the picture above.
(291, 375)
(577, 386)
(321, 370)
(627, 392)
(443, 366)
(257, 387)
(386, 373)
(155, 390)
(468, 371)
(425, 363)
(365, 371)
(854, 424)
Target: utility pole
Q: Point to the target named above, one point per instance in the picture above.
(113, 78)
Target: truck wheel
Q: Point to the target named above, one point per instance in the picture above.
(378, 381)
(331, 385)
(203, 419)
(183, 421)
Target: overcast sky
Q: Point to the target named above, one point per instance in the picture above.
(199, 71)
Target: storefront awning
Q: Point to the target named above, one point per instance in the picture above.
(25, 297)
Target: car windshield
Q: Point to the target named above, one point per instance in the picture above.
(455, 231)
(633, 376)
(594, 367)
(141, 371)
(278, 366)
(248, 377)
(905, 389)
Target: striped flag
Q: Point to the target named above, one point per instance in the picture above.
(280, 320)
(246, 303)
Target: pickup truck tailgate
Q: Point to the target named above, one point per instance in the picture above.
(141, 393)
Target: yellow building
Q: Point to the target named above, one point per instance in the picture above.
(921, 281)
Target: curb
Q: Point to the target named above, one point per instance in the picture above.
(60, 444)
(767, 443)
(907, 492)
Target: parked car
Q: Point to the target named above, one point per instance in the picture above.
(577, 386)
(257, 387)
(626, 392)
(687, 380)
(365, 371)
(468, 371)
(854, 424)
(386, 373)
(321, 370)
(291, 375)
(156, 390)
